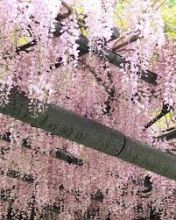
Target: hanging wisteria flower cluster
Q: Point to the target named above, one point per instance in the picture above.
(74, 55)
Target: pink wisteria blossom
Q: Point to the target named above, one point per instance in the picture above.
(33, 182)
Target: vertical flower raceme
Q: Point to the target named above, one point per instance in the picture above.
(99, 19)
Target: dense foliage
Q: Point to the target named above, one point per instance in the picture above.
(42, 54)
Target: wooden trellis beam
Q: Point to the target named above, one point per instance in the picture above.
(114, 58)
(6, 195)
(58, 153)
(119, 61)
(18, 175)
(61, 122)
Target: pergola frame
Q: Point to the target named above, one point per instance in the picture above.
(64, 123)
(59, 121)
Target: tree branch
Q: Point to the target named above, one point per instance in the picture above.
(165, 109)
(169, 134)
(123, 44)
(110, 91)
(26, 46)
(61, 17)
